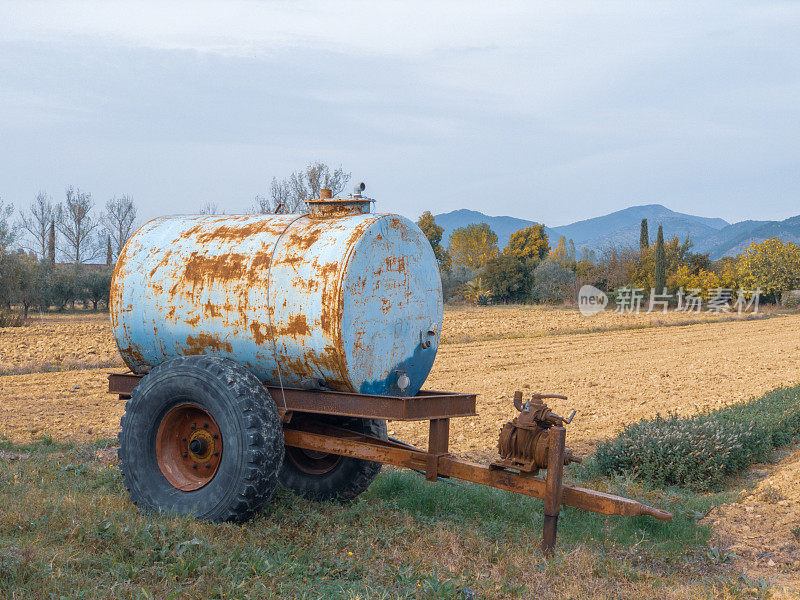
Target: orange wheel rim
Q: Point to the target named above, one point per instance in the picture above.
(188, 447)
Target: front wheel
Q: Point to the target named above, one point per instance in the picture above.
(201, 435)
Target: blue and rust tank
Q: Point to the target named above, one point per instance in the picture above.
(339, 299)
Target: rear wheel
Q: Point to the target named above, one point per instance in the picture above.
(201, 435)
(322, 476)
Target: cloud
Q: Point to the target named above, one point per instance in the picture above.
(585, 107)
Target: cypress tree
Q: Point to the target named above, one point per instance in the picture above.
(51, 245)
(109, 255)
(644, 236)
(660, 276)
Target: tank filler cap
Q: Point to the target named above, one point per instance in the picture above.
(326, 206)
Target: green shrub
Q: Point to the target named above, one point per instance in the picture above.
(11, 319)
(700, 451)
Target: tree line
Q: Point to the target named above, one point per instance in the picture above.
(54, 255)
(47, 249)
(528, 269)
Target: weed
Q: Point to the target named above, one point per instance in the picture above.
(700, 451)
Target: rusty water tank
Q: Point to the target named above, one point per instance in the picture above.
(339, 299)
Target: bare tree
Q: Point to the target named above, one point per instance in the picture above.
(8, 230)
(211, 208)
(37, 222)
(290, 195)
(75, 224)
(118, 222)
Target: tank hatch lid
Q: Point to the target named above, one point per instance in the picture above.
(328, 206)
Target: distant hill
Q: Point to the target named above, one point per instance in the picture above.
(714, 236)
(502, 226)
(734, 239)
(623, 226)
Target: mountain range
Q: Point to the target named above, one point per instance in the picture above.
(714, 236)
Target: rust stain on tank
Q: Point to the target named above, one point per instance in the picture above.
(212, 310)
(164, 260)
(201, 269)
(260, 336)
(227, 233)
(202, 341)
(301, 241)
(396, 263)
(193, 321)
(298, 326)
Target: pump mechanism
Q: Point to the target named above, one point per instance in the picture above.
(525, 441)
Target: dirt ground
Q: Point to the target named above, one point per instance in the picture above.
(627, 371)
(763, 527)
(58, 342)
(483, 323)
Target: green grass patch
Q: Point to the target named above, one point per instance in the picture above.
(701, 451)
(68, 530)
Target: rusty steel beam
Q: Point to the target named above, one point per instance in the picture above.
(553, 488)
(368, 448)
(425, 405)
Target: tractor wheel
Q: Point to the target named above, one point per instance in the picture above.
(201, 435)
(322, 476)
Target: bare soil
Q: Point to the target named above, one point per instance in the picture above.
(762, 528)
(483, 323)
(58, 343)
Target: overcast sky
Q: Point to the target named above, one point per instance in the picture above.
(553, 112)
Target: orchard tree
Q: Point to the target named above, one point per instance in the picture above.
(528, 243)
(552, 282)
(8, 231)
(564, 252)
(434, 234)
(76, 225)
(506, 277)
(36, 222)
(211, 208)
(290, 195)
(772, 265)
(118, 222)
(473, 245)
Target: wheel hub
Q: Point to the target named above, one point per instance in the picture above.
(188, 447)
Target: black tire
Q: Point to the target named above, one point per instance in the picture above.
(343, 478)
(251, 432)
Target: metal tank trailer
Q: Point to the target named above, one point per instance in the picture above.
(267, 348)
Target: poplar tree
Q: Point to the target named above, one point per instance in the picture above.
(644, 236)
(660, 276)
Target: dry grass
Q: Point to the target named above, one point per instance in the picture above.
(67, 529)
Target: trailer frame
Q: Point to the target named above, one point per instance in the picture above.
(436, 461)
